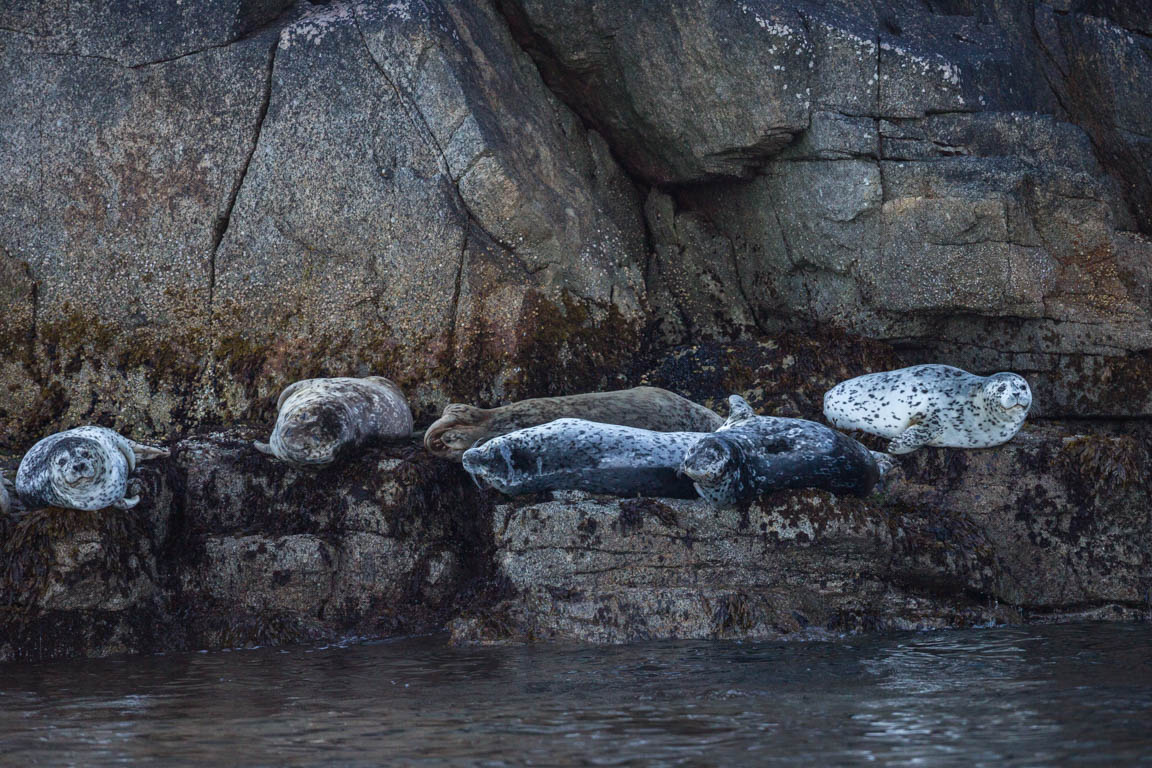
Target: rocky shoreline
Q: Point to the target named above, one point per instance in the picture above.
(230, 549)
(491, 200)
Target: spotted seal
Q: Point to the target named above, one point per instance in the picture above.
(650, 408)
(580, 455)
(750, 455)
(320, 420)
(84, 468)
(934, 405)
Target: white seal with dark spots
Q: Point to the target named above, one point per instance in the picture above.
(935, 405)
(84, 468)
(751, 455)
(579, 455)
(464, 426)
(322, 420)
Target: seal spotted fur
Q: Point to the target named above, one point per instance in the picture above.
(934, 405)
(320, 420)
(751, 455)
(5, 500)
(575, 454)
(650, 408)
(84, 468)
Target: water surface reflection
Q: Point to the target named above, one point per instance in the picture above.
(1078, 694)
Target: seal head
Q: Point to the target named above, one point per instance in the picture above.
(1007, 395)
(751, 455)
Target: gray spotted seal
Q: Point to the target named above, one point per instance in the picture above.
(651, 408)
(580, 455)
(934, 405)
(84, 468)
(5, 501)
(320, 420)
(750, 455)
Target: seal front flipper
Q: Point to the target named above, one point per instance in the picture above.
(917, 435)
(263, 447)
(126, 503)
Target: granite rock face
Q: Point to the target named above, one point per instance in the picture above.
(966, 180)
(492, 199)
(295, 191)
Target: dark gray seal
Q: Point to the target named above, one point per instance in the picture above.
(464, 426)
(321, 420)
(5, 500)
(751, 455)
(574, 454)
(931, 405)
(84, 468)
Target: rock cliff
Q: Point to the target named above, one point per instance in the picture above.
(492, 199)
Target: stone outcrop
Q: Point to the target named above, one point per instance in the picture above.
(231, 548)
(313, 190)
(492, 199)
(967, 180)
(1050, 527)
(501, 198)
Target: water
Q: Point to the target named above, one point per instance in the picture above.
(1044, 696)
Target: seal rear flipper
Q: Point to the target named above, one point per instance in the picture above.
(263, 447)
(884, 462)
(916, 436)
(738, 411)
(147, 452)
(288, 390)
(126, 503)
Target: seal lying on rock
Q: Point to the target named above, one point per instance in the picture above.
(84, 468)
(650, 408)
(750, 455)
(931, 405)
(320, 420)
(574, 454)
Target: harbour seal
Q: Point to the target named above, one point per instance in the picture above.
(650, 408)
(5, 500)
(580, 455)
(84, 468)
(750, 455)
(321, 420)
(931, 405)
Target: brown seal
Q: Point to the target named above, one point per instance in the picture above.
(658, 410)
